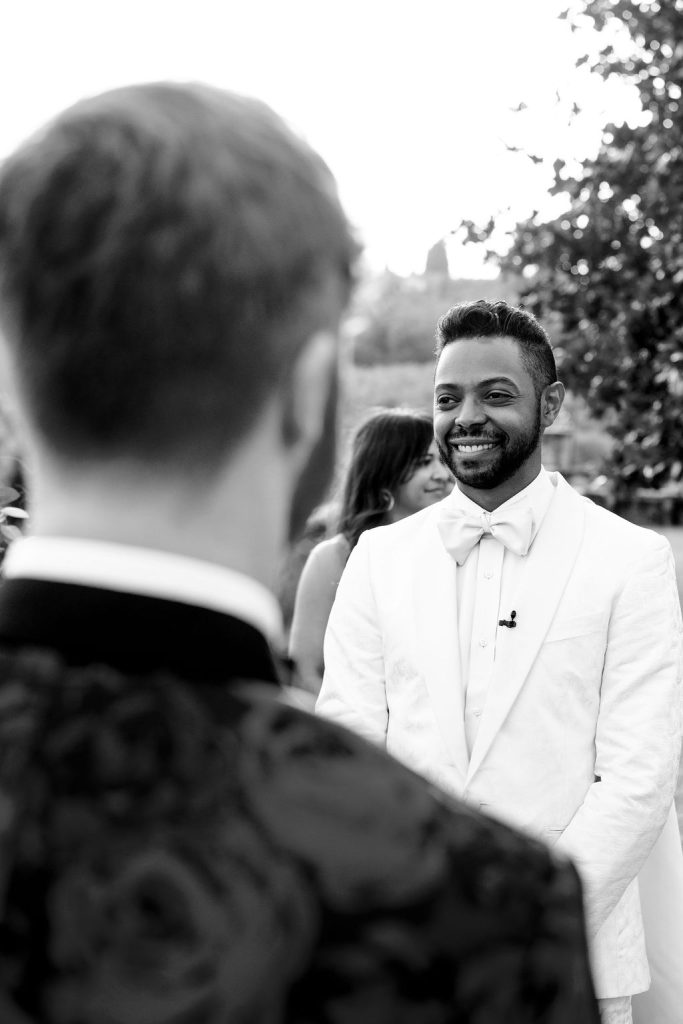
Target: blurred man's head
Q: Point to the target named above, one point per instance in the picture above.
(172, 258)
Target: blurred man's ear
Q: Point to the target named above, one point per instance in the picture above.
(9, 391)
(306, 398)
(310, 422)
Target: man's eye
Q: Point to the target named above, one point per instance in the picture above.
(498, 396)
(445, 400)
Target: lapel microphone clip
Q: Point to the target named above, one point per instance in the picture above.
(510, 623)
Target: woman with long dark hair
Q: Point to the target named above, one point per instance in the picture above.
(394, 471)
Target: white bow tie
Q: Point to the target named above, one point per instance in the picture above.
(461, 531)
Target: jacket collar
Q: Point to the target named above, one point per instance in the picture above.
(132, 633)
(145, 571)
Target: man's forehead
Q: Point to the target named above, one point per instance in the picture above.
(481, 358)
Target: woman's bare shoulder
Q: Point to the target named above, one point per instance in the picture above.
(329, 556)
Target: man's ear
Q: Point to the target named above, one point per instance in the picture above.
(306, 399)
(552, 398)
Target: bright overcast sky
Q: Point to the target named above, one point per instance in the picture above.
(409, 101)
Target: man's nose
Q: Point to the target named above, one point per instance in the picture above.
(470, 413)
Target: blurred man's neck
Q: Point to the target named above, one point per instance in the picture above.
(236, 519)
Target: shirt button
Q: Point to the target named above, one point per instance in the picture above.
(488, 575)
(483, 643)
(476, 712)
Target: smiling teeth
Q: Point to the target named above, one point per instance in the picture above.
(467, 448)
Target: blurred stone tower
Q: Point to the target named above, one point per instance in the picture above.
(437, 261)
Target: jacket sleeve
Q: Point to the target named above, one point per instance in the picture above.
(353, 691)
(637, 738)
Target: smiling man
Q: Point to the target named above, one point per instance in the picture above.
(520, 647)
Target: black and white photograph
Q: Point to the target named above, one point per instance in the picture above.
(341, 512)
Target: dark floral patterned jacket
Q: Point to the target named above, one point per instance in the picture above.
(175, 854)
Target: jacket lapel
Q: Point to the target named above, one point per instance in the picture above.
(547, 569)
(435, 618)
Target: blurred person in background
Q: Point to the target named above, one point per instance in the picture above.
(316, 528)
(177, 841)
(394, 471)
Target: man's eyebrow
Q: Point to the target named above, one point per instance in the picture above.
(497, 380)
(482, 383)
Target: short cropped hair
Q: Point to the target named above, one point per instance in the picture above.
(484, 319)
(165, 250)
(385, 453)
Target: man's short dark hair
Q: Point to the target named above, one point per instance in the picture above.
(165, 250)
(484, 319)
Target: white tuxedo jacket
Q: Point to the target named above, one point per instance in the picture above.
(579, 740)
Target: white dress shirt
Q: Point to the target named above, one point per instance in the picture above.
(152, 573)
(486, 585)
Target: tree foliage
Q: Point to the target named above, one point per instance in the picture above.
(611, 268)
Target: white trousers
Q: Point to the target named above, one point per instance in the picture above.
(615, 1011)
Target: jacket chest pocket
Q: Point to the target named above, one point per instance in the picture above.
(575, 627)
(572, 657)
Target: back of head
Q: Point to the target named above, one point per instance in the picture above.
(165, 250)
(482, 319)
(385, 450)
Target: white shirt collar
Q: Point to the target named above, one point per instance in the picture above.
(144, 571)
(537, 496)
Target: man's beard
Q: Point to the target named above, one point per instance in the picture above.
(509, 457)
(315, 477)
